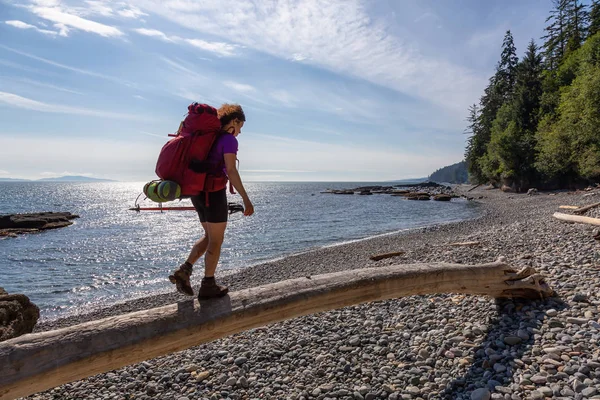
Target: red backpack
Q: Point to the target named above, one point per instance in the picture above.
(192, 143)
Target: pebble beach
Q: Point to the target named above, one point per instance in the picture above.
(443, 346)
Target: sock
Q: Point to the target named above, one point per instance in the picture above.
(188, 264)
(209, 278)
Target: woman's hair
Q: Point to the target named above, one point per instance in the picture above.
(229, 112)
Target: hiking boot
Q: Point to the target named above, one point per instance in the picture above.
(181, 279)
(209, 289)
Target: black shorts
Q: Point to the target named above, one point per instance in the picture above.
(216, 210)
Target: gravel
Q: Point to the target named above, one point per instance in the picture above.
(442, 346)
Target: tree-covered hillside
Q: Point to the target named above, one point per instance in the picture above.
(538, 120)
(455, 173)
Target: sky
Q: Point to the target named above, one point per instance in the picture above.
(333, 90)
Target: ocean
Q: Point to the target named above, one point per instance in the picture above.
(112, 254)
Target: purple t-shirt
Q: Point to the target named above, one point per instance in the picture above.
(225, 144)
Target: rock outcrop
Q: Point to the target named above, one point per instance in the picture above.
(419, 191)
(442, 197)
(417, 196)
(18, 315)
(13, 224)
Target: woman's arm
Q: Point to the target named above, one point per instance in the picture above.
(236, 181)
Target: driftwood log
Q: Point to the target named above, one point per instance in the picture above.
(568, 207)
(39, 361)
(581, 210)
(577, 218)
(379, 257)
(458, 244)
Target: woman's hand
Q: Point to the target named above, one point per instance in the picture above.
(236, 181)
(248, 208)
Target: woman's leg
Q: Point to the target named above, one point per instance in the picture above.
(216, 223)
(215, 231)
(199, 247)
(181, 276)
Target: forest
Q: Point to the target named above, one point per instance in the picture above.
(537, 123)
(455, 173)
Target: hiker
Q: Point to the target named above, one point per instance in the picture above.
(212, 206)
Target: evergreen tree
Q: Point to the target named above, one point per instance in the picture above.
(528, 90)
(507, 67)
(569, 20)
(594, 18)
(566, 31)
(569, 146)
(475, 145)
(538, 121)
(556, 37)
(498, 92)
(577, 18)
(510, 157)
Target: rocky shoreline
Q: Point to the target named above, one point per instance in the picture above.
(421, 347)
(419, 191)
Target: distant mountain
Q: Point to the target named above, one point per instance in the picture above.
(455, 173)
(74, 178)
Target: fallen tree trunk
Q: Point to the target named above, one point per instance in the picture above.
(577, 218)
(386, 255)
(39, 361)
(464, 244)
(581, 210)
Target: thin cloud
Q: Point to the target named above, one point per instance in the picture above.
(240, 87)
(298, 57)
(23, 25)
(427, 16)
(164, 136)
(219, 48)
(65, 21)
(49, 174)
(482, 39)
(323, 130)
(223, 49)
(67, 67)
(283, 97)
(98, 8)
(179, 66)
(131, 12)
(153, 33)
(46, 3)
(91, 8)
(20, 68)
(17, 101)
(337, 35)
(46, 85)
